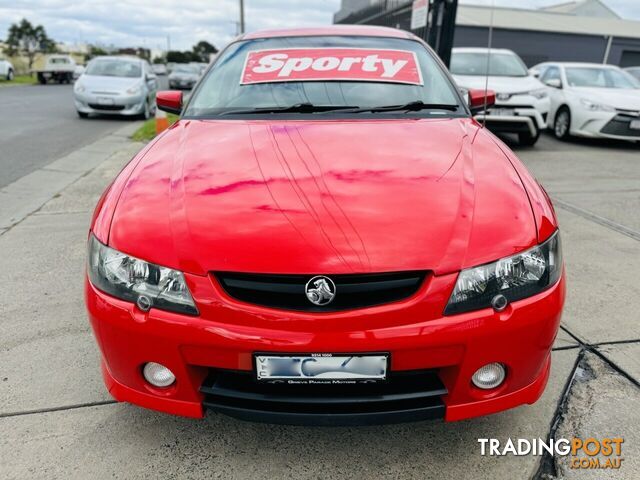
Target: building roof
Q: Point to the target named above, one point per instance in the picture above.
(541, 20)
(590, 8)
(357, 30)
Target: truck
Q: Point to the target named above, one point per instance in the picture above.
(6, 69)
(57, 68)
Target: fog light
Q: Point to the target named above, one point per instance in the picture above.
(158, 375)
(489, 376)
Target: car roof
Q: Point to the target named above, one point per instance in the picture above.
(118, 57)
(481, 50)
(583, 64)
(348, 30)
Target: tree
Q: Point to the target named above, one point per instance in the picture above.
(95, 52)
(203, 51)
(29, 40)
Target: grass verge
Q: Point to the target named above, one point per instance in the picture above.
(19, 80)
(148, 130)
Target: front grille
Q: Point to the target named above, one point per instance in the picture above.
(406, 396)
(110, 108)
(352, 291)
(620, 126)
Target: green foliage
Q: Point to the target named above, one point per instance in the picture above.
(95, 52)
(200, 52)
(28, 40)
(148, 130)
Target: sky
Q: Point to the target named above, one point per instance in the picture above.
(151, 23)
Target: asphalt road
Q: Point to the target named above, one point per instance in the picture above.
(39, 124)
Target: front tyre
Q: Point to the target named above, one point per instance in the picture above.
(527, 139)
(562, 124)
(10, 75)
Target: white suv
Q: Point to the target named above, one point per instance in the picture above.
(6, 69)
(522, 101)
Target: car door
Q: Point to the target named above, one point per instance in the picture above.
(552, 79)
(150, 79)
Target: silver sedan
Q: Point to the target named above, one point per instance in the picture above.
(116, 86)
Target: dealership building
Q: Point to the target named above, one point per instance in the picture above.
(581, 30)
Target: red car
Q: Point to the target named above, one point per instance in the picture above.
(326, 236)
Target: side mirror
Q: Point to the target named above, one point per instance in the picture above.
(151, 76)
(535, 73)
(169, 101)
(554, 82)
(480, 100)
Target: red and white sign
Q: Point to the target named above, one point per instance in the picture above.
(326, 64)
(419, 14)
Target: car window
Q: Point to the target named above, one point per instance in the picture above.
(222, 89)
(551, 73)
(475, 63)
(185, 69)
(600, 78)
(114, 68)
(58, 61)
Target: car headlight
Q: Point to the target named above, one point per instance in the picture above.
(515, 277)
(539, 93)
(79, 88)
(145, 284)
(596, 107)
(134, 90)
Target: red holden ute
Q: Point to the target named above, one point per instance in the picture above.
(326, 236)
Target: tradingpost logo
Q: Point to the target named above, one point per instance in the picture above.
(589, 453)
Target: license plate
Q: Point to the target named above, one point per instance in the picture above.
(321, 368)
(634, 125)
(507, 112)
(105, 101)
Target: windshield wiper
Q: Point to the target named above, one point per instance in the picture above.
(296, 108)
(414, 106)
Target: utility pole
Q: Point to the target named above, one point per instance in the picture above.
(241, 17)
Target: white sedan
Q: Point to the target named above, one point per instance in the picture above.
(591, 100)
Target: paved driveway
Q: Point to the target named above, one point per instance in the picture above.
(57, 420)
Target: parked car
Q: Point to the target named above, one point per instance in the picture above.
(184, 76)
(326, 235)
(591, 100)
(635, 71)
(6, 69)
(57, 68)
(117, 86)
(159, 69)
(522, 102)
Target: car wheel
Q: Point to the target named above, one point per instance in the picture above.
(562, 124)
(526, 139)
(146, 114)
(83, 115)
(41, 79)
(10, 75)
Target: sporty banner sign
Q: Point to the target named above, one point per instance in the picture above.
(327, 64)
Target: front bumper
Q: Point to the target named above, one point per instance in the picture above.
(126, 105)
(447, 350)
(605, 125)
(526, 114)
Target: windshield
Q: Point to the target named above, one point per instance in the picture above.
(185, 69)
(600, 78)
(114, 68)
(475, 63)
(329, 81)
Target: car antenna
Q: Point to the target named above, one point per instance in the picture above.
(486, 79)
